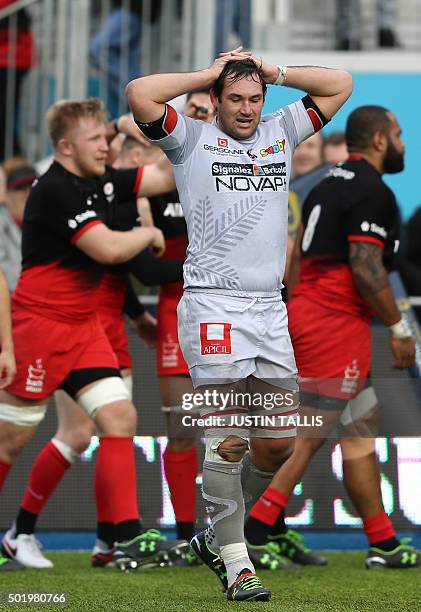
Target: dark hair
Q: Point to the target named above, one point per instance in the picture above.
(363, 123)
(236, 70)
(335, 138)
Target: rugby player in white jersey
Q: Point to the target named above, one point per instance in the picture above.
(232, 177)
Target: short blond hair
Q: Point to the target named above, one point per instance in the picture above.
(65, 115)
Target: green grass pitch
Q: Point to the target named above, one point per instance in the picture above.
(343, 586)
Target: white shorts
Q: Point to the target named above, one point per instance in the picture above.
(226, 338)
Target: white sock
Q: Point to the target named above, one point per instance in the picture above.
(235, 558)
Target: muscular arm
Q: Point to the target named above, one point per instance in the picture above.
(329, 88)
(109, 247)
(157, 178)
(372, 280)
(147, 96)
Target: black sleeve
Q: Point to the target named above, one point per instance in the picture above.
(150, 270)
(125, 217)
(369, 220)
(126, 183)
(132, 307)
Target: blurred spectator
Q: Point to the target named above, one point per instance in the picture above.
(16, 53)
(410, 257)
(134, 154)
(349, 24)
(233, 22)
(334, 148)
(119, 38)
(308, 155)
(16, 178)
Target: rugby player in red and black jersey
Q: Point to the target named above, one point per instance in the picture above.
(59, 340)
(75, 428)
(346, 244)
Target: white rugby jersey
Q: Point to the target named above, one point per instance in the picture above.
(234, 195)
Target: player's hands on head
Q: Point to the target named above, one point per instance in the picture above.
(270, 71)
(158, 242)
(403, 350)
(7, 368)
(228, 56)
(127, 126)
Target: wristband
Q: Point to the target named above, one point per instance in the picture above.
(281, 76)
(400, 330)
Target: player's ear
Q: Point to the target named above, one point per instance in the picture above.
(379, 141)
(136, 158)
(63, 147)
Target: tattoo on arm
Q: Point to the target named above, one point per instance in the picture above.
(366, 261)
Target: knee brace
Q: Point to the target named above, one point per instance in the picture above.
(222, 490)
(223, 496)
(105, 391)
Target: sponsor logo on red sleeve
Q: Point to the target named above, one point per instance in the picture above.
(222, 142)
(215, 338)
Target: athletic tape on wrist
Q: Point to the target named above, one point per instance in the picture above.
(400, 329)
(281, 76)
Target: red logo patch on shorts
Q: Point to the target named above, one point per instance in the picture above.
(215, 338)
(222, 142)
